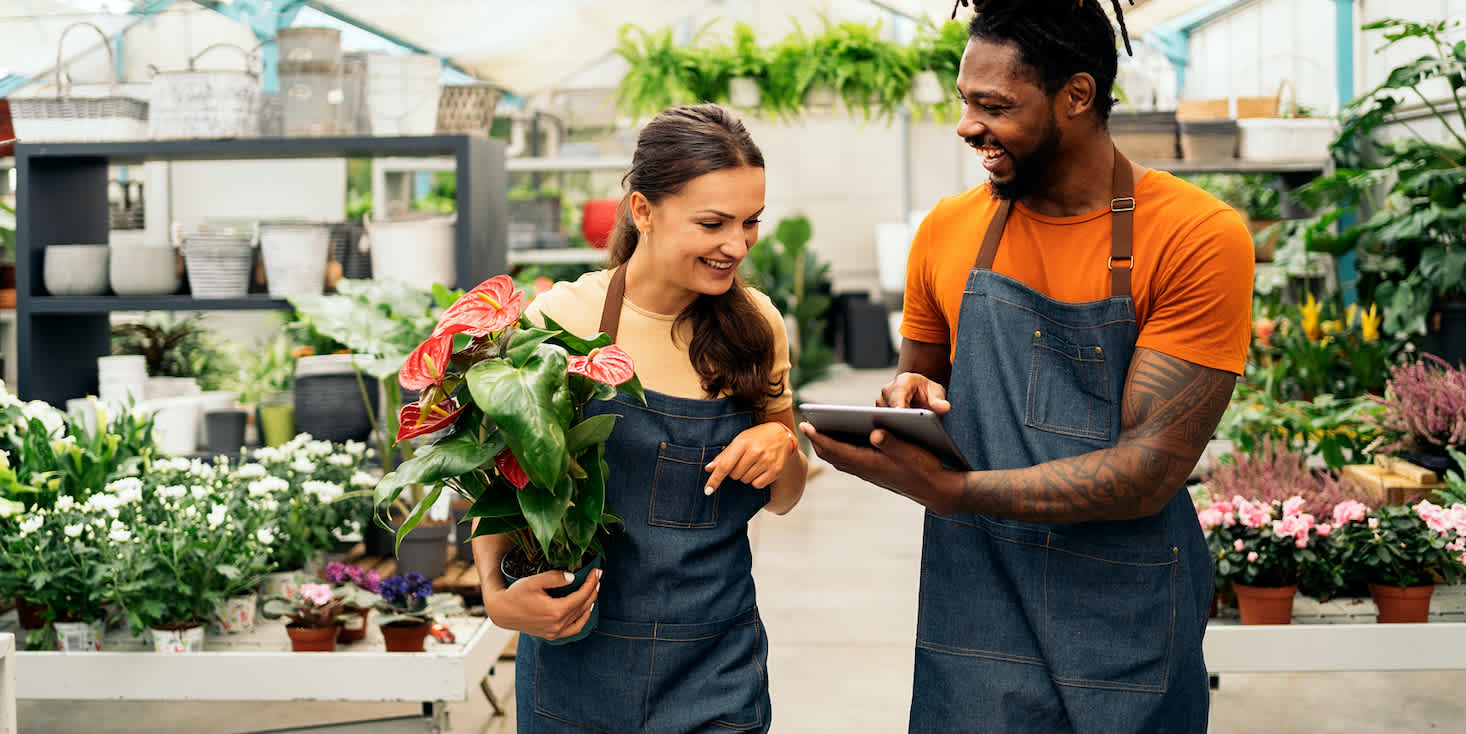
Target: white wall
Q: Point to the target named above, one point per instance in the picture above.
(1250, 52)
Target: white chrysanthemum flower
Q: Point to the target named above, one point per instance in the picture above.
(269, 505)
(65, 503)
(324, 491)
(251, 471)
(174, 464)
(267, 486)
(363, 479)
(10, 508)
(42, 411)
(125, 486)
(268, 454)
(191, 511)
(354, 448)
(173, 491)
(74, 531)
(317, 449)
(120, 535)
(31, 524)
(265, 535)
(201, 470)
(303, 465)
(340, 460)
(199, 492)
(217, 515)
(103, 502)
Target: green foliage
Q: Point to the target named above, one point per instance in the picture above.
(792, 276)
(1254, 193)
(1333, 428)
(1303, 352)
(1412, 241)
(174, 347)
(261, 369)
(7, 233)
(1396, 547)
(939, 49)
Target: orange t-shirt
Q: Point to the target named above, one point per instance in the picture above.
(1192, 280)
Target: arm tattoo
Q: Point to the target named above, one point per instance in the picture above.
(1168, 413)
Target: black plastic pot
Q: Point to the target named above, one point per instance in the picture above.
(560, 592)
(224, 431)
(424, 550)
(1446, 335)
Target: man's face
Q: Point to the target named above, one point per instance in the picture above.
(1007, 118)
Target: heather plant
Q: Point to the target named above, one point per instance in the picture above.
(1274, 473)
(1425, 406)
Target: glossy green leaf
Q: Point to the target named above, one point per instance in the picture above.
(523, 344)
(531, 406)
(418, 513)
(543, 510)
(590, 431)
(460, 453)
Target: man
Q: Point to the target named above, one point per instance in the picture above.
(1082, 364)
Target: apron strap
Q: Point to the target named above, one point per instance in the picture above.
(611, 310)
(1122, 228)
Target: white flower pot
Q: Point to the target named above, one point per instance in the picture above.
(175, 642)
(820, 96)
(144, 270)
(417, 251)
(236, 614)
(744, 92)
(79, 636)
(175, 424)
(926, 88)
(295, 257)
(280, 583)
(75, 270)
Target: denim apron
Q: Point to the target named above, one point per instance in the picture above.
(680, 646)
(1091, 627)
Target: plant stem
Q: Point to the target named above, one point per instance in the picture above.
(1436, 111)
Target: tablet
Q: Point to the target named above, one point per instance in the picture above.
(853, 424)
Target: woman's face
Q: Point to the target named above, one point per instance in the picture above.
(695, 239)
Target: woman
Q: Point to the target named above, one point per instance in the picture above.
(680, 646)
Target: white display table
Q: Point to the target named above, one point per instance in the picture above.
(260, 666)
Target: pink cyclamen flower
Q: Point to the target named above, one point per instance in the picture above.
(1252, 557)
(1350, 511)
(1238, 545)
(317, 594)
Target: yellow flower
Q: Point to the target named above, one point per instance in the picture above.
(1349, 314)
(1333, 327)
(1369, 323)
(1311, 313)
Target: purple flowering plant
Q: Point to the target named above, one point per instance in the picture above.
(1425, 406)
(410, 598)
(354, 586)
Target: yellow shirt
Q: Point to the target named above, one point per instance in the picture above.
(662, 362)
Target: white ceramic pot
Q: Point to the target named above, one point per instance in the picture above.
(175, 424)
(281, 583)
(143, 271)
(170, 387)
(418, 252)
(76, 270)
(175, 642)
(236, 614)
(79, 636)
(744, 92)
(820, 96)
(295, 257)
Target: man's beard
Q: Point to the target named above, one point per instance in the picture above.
(1030, 172)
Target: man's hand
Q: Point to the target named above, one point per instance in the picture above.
(913, 390)
(889, 462)
(526, 607)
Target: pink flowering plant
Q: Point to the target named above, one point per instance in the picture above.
(354, 586)
(1259, 543)
(1425, 406)
(504, 402)
(1400, 545)
(312, 606)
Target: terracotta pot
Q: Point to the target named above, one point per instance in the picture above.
(1265, 604)
(353, 628)
(312, 639)
(597, 219)
(1397, 605)
(405, 636)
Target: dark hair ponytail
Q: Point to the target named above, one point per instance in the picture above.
(732, 345)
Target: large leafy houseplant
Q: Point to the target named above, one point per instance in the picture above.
(1412, 240)
(792, 276)
(866, 70)
(506, 402)
(938, 49)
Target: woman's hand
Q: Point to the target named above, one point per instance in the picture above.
(526, 607)
(755, 457)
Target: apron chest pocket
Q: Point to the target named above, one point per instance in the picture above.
(677, 499)
(1068, 388)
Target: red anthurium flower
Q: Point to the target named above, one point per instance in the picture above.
(428, 364)
(611, 365)
(509, 466)
(413, 423)
(490, 307)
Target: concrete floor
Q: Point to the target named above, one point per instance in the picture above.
(837, 587)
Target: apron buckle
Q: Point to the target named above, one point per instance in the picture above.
(1129, 262)
(1122, 204)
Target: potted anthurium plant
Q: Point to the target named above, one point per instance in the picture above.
(507, 400)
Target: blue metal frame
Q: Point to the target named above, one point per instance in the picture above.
(1344, 77)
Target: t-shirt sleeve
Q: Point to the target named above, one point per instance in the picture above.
(921, 313)
(782, 365)
(1202, 309)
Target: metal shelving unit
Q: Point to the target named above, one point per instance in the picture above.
(62, 198)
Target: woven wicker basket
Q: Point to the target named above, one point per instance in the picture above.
(467, 108)
(76, 119)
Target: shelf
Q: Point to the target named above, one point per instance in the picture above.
(107, 304)
(568, 164)
(247, 148)
(558, 257)
(1237, 165)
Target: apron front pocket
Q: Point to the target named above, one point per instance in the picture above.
(1068, 387)
(677, 499)
(708, 678)
(1130, 595)
(599, 683)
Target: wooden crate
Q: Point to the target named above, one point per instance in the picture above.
(1390, 482)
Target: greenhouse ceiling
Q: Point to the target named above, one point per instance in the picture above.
(524, 46)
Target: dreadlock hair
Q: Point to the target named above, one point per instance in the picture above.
(1057, 38)
(732, 345)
